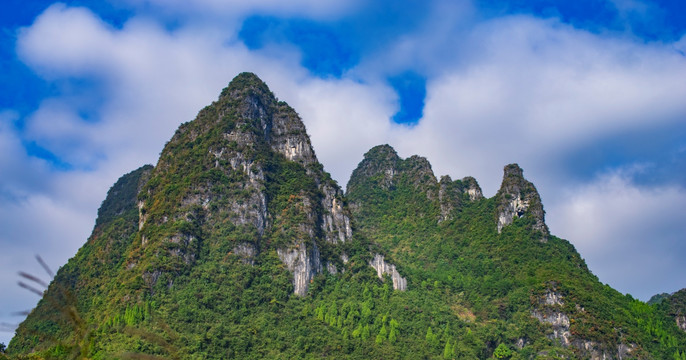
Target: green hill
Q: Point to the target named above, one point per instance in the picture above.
(238, 244)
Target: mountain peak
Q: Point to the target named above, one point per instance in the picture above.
(382, 162)
(518, 198)
(514, 171)
(122, 195)
(239, 234)
(245, 81)
(382, 153)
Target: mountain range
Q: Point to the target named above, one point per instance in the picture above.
(238, 244)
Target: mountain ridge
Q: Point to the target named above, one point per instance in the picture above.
(238, 244)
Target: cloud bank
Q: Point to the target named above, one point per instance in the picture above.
(514, 88)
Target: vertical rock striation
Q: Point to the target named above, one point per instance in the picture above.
(244, 173)
(383, 268)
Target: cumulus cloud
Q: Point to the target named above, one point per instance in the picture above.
(513, 89)
(628, 234)
(535, 90)
(42, 212)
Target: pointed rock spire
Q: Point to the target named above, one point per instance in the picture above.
(234, 164)
(518, 198)
(472, 188)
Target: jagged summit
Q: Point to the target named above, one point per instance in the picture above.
(519, 198)
(247, 161)
(382, 168)
(382, 165)
(238, 244)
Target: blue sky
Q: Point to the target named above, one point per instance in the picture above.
(587, 96)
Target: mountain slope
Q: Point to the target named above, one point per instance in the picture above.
(238, 244)
(496, 258)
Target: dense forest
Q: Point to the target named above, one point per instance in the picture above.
(238, 244)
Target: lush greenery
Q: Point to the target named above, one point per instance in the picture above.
(166, 281)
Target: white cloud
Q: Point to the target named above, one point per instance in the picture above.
(533, 90)
(301, 8)
(42, 213)
(344, 119)
(629, 235)
(516, 89)
(157, 79)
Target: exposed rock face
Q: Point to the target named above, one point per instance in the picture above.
(453, 194)
(518, 198)
(681, 322)
(549, 312)
(592, 350)
(559, 322)
(228, 158)
(289, 137)
(472, 188)
(382, 267)
(303, 263)
(336, 223)
(247, 252)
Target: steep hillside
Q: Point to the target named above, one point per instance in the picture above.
(238, 244)
(495, 261)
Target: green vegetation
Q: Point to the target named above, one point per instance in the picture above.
(184, 262)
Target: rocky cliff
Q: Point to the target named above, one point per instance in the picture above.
(248, 161)
(238, 244)
(518, 198)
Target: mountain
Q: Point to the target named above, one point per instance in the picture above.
(238, 244)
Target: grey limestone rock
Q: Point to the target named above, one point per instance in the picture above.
(472, 188)
(550, 311)
(453, 194)
(246, 252)
(383, 268)
(517, 198)
(304, 263)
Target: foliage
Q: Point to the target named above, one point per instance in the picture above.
(166, 280)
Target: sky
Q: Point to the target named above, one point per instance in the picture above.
(588, 97)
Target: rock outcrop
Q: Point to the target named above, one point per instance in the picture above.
(519, 198)
(681, 322)
(453, 194)
(383, 268)
(549, 312)
(304, 263)
(244, 172)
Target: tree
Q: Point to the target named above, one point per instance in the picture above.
(502, 352)
(393, 335)
(448, 351)
(2, 347)
(431, 338)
